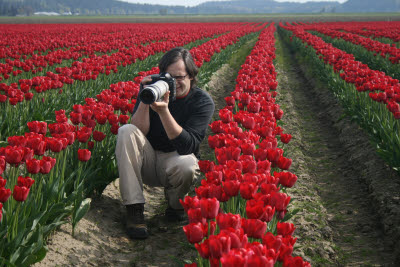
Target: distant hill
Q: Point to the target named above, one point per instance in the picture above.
(115, 7)
(264, 6)
(370, 6)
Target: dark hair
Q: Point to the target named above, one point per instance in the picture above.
(173, 56)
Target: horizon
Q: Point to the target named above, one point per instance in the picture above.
(198, 2)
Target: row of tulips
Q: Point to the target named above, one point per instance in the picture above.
(370, 97)
(381, 88)
(90, 68)
(91, 42)
(39, 108)
(384, 50)
(237, 216)
(363, 55)
(53, 167)
(381, 30)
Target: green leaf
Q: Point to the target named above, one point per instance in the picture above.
(81, 211)
(290, 214)
(6, 262)
(3, 143)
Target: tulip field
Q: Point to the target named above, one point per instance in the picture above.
(64, 95)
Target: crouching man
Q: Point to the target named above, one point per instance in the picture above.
(161, 145)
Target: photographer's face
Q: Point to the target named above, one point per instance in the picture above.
(182, 85)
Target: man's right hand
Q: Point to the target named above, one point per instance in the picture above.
(146, 80)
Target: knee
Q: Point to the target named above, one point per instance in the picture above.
(128, 132)
(185, 171)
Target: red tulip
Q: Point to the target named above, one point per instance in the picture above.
(83, 134)
(112, 119)
(248, 148)
(285, 250)
(77, 108)
(230, 101)
(45, 166)
(231, 187)
(254, 228)
(209, 207)
(114, 129)
(247, 190)
(203, 249)
(257, 260)
(285, 229)
(101, 118)
(190, 202)
(273, 155)
(20, 193)
(4, 194)
(76, 118)
(284, 163)
(225, 115)
(256, 209)
(271, 241)
(254, 107)
(2, 164)
(98, 136)
(290, 261)
(194, 215)
(286, 179)
(238, 238)
(249, 166)
(84, 154)
(233, 258)
(260, 154)
(194, 232)
(228, 220)
(25, 181)
(56, 145)
(280, 201)
(285, 138)
(13, 155)
(206, 166)
(123, 119)
(2, 182)
(267, 188)
(33, 166)
(264, 166)
(249, 123)
(219, 245)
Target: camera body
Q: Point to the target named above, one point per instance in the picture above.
(156, 89)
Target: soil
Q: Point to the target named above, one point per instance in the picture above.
(339, 222)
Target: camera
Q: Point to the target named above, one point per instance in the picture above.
(159, 85)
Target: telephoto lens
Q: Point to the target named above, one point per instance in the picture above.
(153, 92)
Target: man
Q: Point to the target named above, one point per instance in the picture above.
(161, 145)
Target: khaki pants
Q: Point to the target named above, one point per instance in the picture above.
(139, 163)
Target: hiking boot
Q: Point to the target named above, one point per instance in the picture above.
(135, 225)
(174, 215)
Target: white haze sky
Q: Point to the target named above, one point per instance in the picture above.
(196, 2)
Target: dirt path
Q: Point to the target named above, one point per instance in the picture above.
(337, 225)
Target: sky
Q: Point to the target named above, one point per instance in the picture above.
(196, 2)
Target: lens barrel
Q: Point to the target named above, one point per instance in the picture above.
(153, 92)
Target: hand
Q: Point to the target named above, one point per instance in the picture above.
(161, 106)
(146, 80)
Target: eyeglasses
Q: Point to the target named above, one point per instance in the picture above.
(179, 78)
